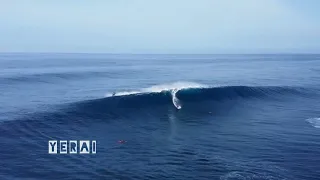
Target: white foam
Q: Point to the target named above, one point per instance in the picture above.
(124, 93)
(176, 85)
(160, 88)
(315, 122)
(175, 100)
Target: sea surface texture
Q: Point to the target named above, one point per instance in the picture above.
(161, 116)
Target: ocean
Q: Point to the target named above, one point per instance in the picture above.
(161, 116)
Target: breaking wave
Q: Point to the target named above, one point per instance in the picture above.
(172, 88)
(184, 92)
(159, 88)
(190, 97)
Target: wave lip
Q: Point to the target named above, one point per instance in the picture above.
(173, 88)
(315, 122)
(159, 88)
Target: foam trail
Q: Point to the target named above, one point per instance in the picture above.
(315, 122)
(175, 100)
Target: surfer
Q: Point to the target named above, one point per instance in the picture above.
(175, 100)
(114, 93)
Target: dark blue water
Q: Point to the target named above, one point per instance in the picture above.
(242, 116)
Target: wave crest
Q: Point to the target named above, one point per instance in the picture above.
(194, 92)
(159, 88)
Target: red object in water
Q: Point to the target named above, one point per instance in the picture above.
(122, 141)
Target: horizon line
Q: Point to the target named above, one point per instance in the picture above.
(128, 53)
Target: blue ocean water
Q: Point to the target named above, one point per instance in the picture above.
(241, 116)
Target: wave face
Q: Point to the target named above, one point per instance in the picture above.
(194, 93)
